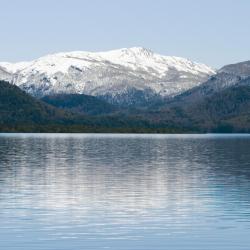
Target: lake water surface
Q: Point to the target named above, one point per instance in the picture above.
(124, 192)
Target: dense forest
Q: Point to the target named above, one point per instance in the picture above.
(222, 112)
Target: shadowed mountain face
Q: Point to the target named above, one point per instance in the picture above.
(221, 104)
(225, 111)
(228, 76)
(82, 104)
(18, 107)
(20, 112)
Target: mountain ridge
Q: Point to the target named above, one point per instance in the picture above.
(226, 77)
(112, 73)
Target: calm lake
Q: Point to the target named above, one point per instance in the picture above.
(124, 192)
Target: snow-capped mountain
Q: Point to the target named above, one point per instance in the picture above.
(116, 75)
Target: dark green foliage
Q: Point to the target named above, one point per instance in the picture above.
(18, 107)
(83, 104)
(19, 112)
(223, 112)
(226, 111)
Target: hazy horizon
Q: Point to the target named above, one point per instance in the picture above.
(211, 32)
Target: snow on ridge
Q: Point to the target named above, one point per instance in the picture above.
(14, 67)
(98, 73)
(135, 57)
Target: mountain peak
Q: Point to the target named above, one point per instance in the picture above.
(127, 54)
(138, 51)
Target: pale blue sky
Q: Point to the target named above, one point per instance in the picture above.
(212, 32)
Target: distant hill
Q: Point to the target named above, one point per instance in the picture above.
(18, 107)
(226, 77)
(224, 111)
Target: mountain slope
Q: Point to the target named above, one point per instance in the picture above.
(226, 77)
(17, 107)
(112, 75)
(227, 110)
(240, 69)
(79, 103)
(20, 112)
(221, 104)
